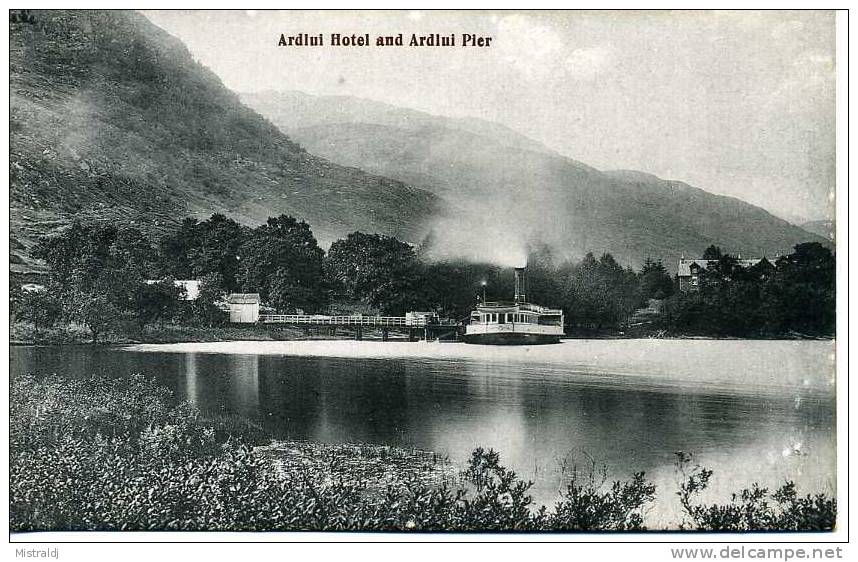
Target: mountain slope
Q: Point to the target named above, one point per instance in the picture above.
(824, 228)
(112, 119)
(506, 190)
(296, 110)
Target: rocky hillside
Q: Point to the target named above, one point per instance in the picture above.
(502, 182)
(112, 119)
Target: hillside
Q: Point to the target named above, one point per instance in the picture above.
(297, 110)
(505, 188)
(822, 228)
(112, 119)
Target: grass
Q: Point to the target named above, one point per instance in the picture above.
(123, 454)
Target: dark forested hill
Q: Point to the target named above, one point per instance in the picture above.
(112, 119)
(501, 182)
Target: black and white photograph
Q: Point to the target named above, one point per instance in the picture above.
(402, 274)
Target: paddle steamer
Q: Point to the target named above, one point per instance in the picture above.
(514, 323)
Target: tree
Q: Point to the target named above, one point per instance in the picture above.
(217, 249)
(101, 263)
(453, 287)
(804, 283)
(93, 310)
(79, 248)
(133, 252)
(378, 270)
(282, 261)
(38, 307)
(175, 249)
(713, 252)
(654, 281)
(157, 301)
(598, 294)
(795, 295)
(90, 256)
(197, 248)
(542, 279)
(205, 307)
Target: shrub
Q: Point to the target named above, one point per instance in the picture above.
(586, 507)
(123, 454)
(753, 509)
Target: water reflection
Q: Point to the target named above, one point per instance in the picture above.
(244, 370)
(533, 416)
(191, 378)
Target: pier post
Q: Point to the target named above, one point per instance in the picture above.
(359, 333)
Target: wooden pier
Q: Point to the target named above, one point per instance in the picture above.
(418, 326)
(321, 320)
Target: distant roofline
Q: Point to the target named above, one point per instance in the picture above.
(684, 269)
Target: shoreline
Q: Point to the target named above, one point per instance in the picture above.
(132, 342)
(71, 335)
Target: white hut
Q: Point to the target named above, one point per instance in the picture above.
(243, 307)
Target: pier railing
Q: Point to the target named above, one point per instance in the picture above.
(320, 320)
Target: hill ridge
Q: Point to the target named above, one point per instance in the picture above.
(111, 118)
(543, 195)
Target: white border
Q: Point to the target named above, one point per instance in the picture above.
(626, 546)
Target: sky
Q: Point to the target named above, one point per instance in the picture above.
(736, 103)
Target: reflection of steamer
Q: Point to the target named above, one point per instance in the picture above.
(514, 323)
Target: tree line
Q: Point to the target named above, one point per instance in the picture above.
(102, 276)
(794, 295)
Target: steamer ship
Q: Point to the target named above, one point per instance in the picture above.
(514, 323)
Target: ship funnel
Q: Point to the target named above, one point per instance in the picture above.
(520, 285)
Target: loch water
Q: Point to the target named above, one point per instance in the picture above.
(753, 411)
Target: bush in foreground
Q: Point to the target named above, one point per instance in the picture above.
(121, 454)
(753, 509)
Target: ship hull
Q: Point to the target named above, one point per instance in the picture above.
(511, 338)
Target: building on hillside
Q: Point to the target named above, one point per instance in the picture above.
(690, 269)
(191, 287)
(244, 307)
